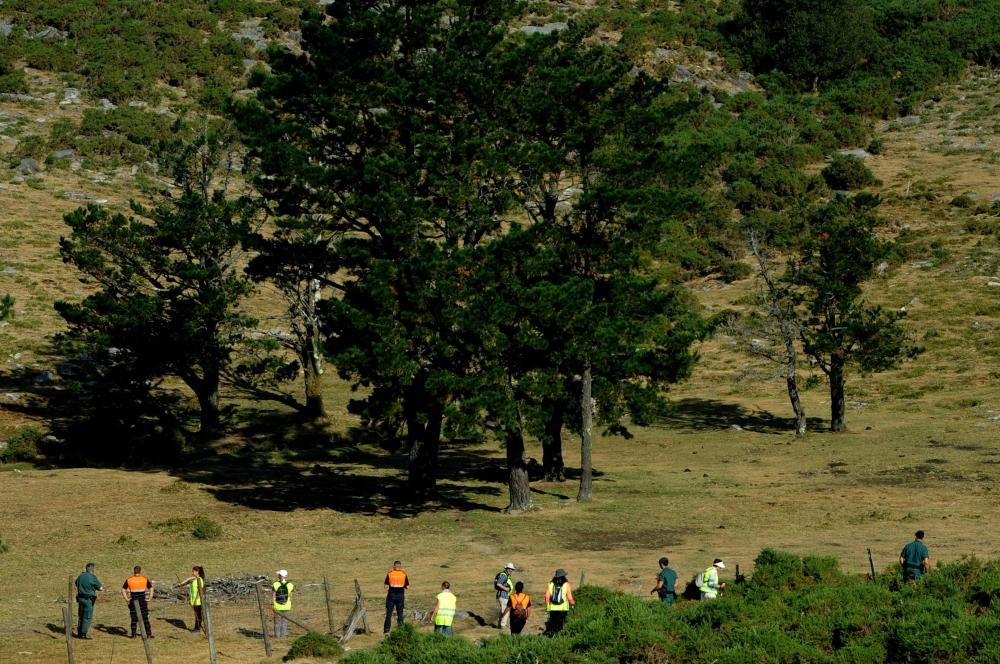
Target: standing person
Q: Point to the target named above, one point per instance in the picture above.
(87, 587)
(281, 603)
(196, 591)
(915, 558)
(396, 585)
(443, 615)
(558, 601)
(709, 581)
(666, 583)
(503, 583)
(519, 608)
(138, 589)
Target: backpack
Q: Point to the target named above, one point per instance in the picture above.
(281, 594)
(502, 579)
(557, 594)
(518, 611)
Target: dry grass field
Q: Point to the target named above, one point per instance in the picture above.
(721, 477)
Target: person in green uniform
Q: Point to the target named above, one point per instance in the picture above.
(87, 587)
(915, 558)
(666, 583)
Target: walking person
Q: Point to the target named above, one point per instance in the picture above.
(709, 581)
(87, 587)
(281, 603)
(558, 601)
(503, 583)
(443, 615)
(915, 558)
(138, 591)
(519, 608)
(666, 583)
(396, 585)
(196, 590)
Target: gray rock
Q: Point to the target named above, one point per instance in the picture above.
(664, 53)
(13, 96)
(859, 153)
(326, 2)
(64, 154)
(43, 377)
(135, 103)
(28, 166)
(995, 198)
(548, 28)
(914, 302)
(75, 165)
(71, 96)
(682, 73)
(76, 195)
(744, 76)
(907, 121)
(993, 284)
(922, 265)
(8, 271)
(6, 27)
(107, 105)
(48, 33)
(971, 195)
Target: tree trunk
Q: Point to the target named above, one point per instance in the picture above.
(423, 433)
(312, 360)
(791, 381)
(207, 392)
(552, 457)
(837, 402)
(586, 438)
(519, 484)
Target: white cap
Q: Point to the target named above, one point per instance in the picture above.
(720, 565)
(509, 566)
(283, 572)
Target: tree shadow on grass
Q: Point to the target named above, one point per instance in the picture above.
(308, 467)
(712, 415)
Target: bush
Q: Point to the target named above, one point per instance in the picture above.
(4, 547)
(963, 201)
(314, 644)
(848, 172)
(200, 527)
(22, 446)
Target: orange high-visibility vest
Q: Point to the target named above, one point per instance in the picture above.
(137, 583)
(397, 578)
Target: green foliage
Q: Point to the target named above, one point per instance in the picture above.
(848, 172)
(792, 610)
(4, 547)
(199, 527)
(314, 644)
(6, 307)
(22, 446)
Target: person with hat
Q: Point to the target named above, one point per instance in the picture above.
(443, 615)
(666, 583)
(87, 587)
(558, 601)
(396, 585)
(138, 591)
(915, 558)
(503, 583)
(281, 603)
(709, 581)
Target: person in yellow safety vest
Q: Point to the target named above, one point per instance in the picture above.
(709, 581)
(443, 614)
(281, 598)
(558, 601)
(196, 590)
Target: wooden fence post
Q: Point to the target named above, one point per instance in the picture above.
(207, 611)
(871, 563)
(329, 607)
(263, 620)
(360, 599)
(142, 630)
(68, 621)
(583, 577)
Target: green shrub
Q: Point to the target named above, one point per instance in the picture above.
(22, 446)
(848, 172)
(314, 644)
(200, 527)
(963, 201)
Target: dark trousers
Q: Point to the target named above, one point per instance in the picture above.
(516, 626)
(139, 598)
(556, 621)
(85, 614)
(198, 624)
(393, 600)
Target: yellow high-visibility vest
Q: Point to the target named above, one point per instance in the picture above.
(445, 615)
(564, 606)
(706, 579)
(194, 592)
(287, 606)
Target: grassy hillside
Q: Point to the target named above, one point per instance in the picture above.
(722, 476)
